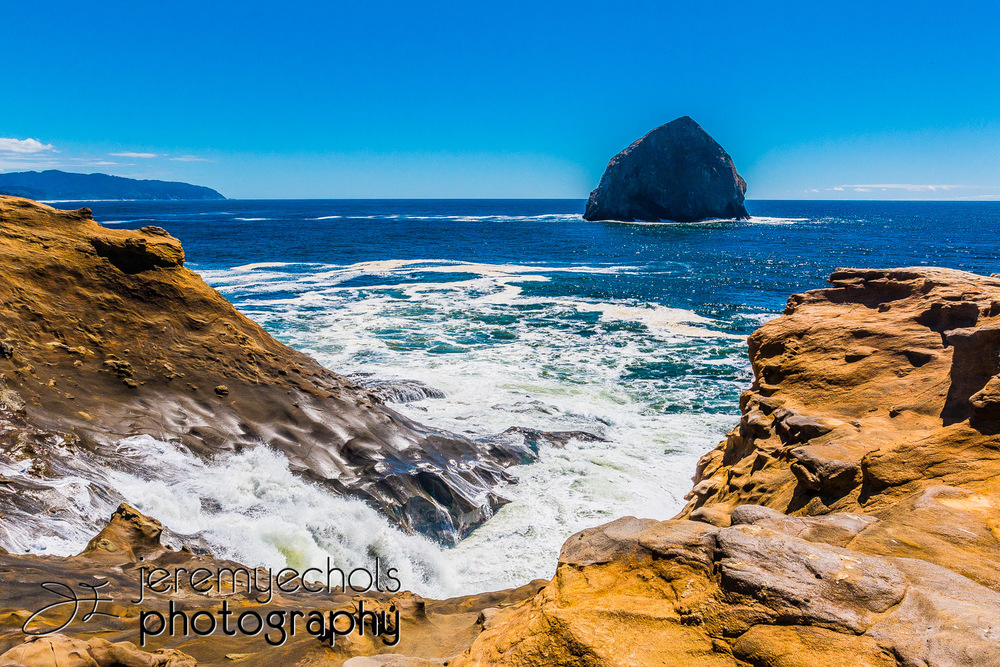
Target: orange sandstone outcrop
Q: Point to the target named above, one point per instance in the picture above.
(105, 334)
(430, 630)
(851, 519)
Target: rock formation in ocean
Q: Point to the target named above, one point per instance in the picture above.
(105, 334)
(676, 172)
(53, 184)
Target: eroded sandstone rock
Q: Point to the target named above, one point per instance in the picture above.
(850, 519)
(106, 334)
(61, 651)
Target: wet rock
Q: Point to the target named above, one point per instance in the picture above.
(398, 391)
(68, 284)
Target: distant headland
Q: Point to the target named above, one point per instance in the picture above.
(53, 184)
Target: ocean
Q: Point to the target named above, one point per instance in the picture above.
(519, 314)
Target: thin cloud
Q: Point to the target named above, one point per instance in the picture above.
(144, 156)
(909, 187)
(190, 158)
(23, 146)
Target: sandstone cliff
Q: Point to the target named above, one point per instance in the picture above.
(850, 519)
(104, 334)
(676, 172)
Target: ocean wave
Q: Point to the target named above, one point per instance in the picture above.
(766, 220)
(552, 217)
(657, 382)
(250, 507)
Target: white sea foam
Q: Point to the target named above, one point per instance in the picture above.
(547, 217)
(765, 220)
(251, 508)
(248, 507)
(503, 358)
(757, 220)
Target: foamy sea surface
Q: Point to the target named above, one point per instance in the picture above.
(522, 314)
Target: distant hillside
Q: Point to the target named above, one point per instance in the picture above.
(55, 184)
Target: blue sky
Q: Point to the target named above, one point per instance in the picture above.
(503, 99)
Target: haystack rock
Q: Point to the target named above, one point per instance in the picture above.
(676, 172)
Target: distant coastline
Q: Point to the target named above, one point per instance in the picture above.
(60, 186)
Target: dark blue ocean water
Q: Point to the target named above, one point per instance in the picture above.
(712, 268)
(523, 314)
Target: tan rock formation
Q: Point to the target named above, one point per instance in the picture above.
(105, 334)
(850, 519)
(62, 651)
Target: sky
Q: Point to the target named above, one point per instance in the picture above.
(291, 99)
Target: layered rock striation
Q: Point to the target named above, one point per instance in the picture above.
(676, 172)
(104, 334)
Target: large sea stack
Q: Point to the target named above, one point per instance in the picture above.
(676, 172)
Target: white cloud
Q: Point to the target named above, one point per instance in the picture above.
(144, 156)
(910, 187)
(190, 158)
(23, 146)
